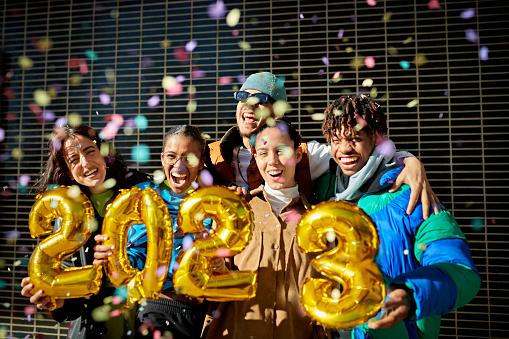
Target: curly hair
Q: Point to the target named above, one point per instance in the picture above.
(352, 114)
(191, 132)
(56, 172)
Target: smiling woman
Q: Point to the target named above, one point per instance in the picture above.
(75, 158)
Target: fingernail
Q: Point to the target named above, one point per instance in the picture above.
(112, 247)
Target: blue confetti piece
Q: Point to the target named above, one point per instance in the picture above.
(404, 64)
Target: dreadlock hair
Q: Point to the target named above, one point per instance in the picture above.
(188, 131)
(56, 172)
(353, 114)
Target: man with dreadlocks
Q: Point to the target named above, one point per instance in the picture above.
(426, 263)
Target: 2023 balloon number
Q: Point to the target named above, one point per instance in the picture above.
(350, 263)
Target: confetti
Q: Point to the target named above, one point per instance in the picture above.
(367, 83)
(74, 191)
(29, 310)
(83, 67)
(223, 253)
(191, 45)
(197, 73)
(320, 71)
(105, 99)
(48, 115)
(159, 176)
(433, 4)
(141, 122)
(336, 75)
(17, 153)
(91, 54)
(224, 80)
(412, 103)
(2, 134)
(41, 97)
(404, 64)
(405, 252)
(483, 53)
(75, 79)
(371, 2)
(174, 90)
(109, 131)
(191, 106)
(101, 313)
(187, 242)
(165, 43)
(477, 224)
(12, 235)
(216, 10)
(140, 153)
(153, 101)
(244, 45)
(341, 32)
(441, 115)
(146, 62)
(330, 236)
(216, 314)
(181, 55)
(387, 16)
(325, 61)
(467, 13)
(25, 62)
(110, 183)
(422, 246)
(24, 179)
(335, 293)
(317, 116)
(369, 62)
(232, 19)
(386, 148)
(206, 178)
(314, 19)
(471, 35)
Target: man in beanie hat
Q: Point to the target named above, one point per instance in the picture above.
(232, 163)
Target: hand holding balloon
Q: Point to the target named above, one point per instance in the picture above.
(399, 304)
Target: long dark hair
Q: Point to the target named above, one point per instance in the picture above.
(56, 172)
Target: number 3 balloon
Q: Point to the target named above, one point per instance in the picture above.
(350, 263)
(45, 263)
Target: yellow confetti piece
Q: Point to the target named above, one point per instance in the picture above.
(110, 183)
(281, 108)
(165, 43)
(114, 14)
(337, 112)
(422, 246)
(331, 236)
(335, 293)
(420, 60)
(41, 97)
(128, 131)
(110, 75)
(192, 159)
(387, 16)
(25, 62)
(93, 225)
(357, 62)
(405, 252)
(105, 149)
(412, 103)
(45, 44)
(191, 106)
(233, 17)
(17, 154)
(191, 90)
(317, 116)
(168, 82)
(101, 313)
(75, 79)
(408, 40)
(286, 151)
(159, 176)
(373, 93)
(52, 92)
(74, 191)
(244, 45)
(358, 127)
(367, 83)
(262, 113)
(205, 136)
(17, 263)
(392, 50)
(309, 108)
(270, 122)
(349, 50)
(74, 119)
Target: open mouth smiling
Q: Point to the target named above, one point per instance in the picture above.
(88, 174)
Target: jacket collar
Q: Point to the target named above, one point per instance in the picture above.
(229, 141)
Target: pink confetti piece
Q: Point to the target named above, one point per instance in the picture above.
(223, 253)
(325, 61)
(216, 314)
(176, 266)
(117, 300)
(336, 75)
(433, 4)
(468, 13)
(276, 56)
(105, 99)
(235, 32)
(191, 45)
(369, 62)
(83, 67)
(225, 80)
(9, 93)
(175, 89)
(36, 109)
(371, 2)
(153, 101)
(73, 63)
(293, 217)
(187, 242)
(181, 55)
(206, 178)
(29, 310)
(116, 118)
(341, 32)
(161, 270)
(109, 131)
(484, 53)
(157, 334)
(114, 313)
(115, 274)
(216, 10)
(195, 185)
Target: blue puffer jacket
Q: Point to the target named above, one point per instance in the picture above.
(429, 257)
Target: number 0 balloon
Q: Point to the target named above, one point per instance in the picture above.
(45, 263)
(350, 263)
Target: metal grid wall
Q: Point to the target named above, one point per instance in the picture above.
(458, 128)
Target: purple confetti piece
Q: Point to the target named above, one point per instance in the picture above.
(191, 45)
(295, 92)
(386, 148)
(216, 10)
(56, 145)
(195, 185)
(325, 61)
(146, 62)
(314, 19)
(48, 115)
(153, 101)
(441, 115)
(2, 134)
(61, 122)
(13, 234)
(282, 127)
(320, 72)
(161, 270)
(301, 16)
(241, 78)
(105, 99)
(197, 74)
(187, 242)
(341, 32)
(483, 53)
(216, 314)
(468, 13)
(24, 179)
(180, 78)
(446, 93)
(353, 17)
(29, 317)
(471, 35)
(206, 178)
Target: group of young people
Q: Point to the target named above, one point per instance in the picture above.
(423, 254)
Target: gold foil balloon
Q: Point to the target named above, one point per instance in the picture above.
(350, 263)
(136, 206)
(234, 221)
(45, 263)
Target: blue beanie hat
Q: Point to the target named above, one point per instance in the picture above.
(267, 83)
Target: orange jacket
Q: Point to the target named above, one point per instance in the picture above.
(221, 156)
